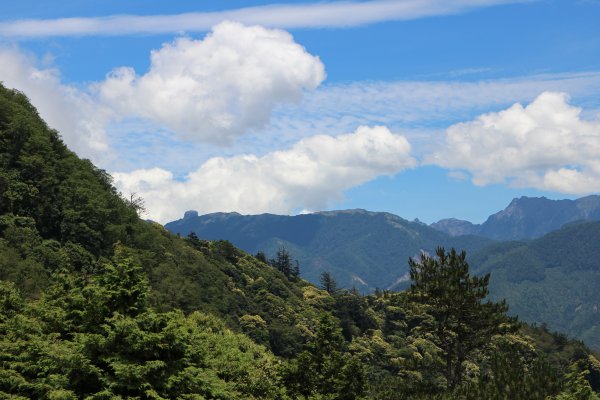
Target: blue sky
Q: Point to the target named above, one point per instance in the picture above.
(427, 109)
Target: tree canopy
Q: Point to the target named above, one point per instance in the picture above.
(463, 320)
(96, 303)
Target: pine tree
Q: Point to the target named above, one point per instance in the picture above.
(325, 370)
(328, 283)
(284, 263)
(463, 321)
(261, 256)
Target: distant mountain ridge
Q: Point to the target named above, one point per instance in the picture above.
(456, 227)
(360, 248)
(96, 303)
(526, 218)
(552, 279)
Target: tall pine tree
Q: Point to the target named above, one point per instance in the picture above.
(464, 321)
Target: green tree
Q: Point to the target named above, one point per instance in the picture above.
(96, 337)
(284, 263)
(512, 370)
(464, 321)
(577, 386)
(328, 283)
(325, 369)
(261, 256)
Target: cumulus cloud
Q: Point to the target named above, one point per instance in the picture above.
(74, 114)
(310, 175)
(217, 88)
(546, 145)
(422, 110)
(209, 90)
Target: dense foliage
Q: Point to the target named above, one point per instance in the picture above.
(96, 303)
(553, 279)
(463, 321)
(358, 248)
(95, 337)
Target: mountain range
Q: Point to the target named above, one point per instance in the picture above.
(361, 249)
(551, 279)
(526, 218)
(96, 303)
(369, 250)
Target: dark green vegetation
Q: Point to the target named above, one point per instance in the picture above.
(361, 249)
(97, 304)
(553, 279)
(526, 218)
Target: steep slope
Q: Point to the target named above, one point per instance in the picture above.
(533, 217)
(550, 280)
(97, 304)
(553, 279)
(362, 249)
(526, 218)
(58, 212)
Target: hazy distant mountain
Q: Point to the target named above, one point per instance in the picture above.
(360, 248)
(552, 279)
(456, 227)
(85, 282)
(526, 218)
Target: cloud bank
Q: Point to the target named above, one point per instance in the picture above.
(217, 88)
(211, 90)
(338, 14)
(311, 175)
(255, 88)
(544, 145)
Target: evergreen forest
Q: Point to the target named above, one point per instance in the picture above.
(96, 303)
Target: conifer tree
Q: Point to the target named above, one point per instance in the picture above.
(325, 370)
(284, 263)
(464, 321)
(328, 283)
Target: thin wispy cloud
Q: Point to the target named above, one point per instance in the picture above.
(338, 14)
(422, 105)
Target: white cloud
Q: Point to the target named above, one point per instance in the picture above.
(310, 175)
(424, 103)
(217, 88)
(75, 115)
(309, 15)
(422, 110)
(545, 145)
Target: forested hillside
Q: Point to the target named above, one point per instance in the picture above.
(550, 280)
(97, 304)
(553, 280)
(361, 249)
